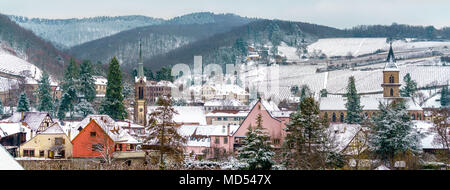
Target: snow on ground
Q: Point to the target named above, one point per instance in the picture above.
(360, 46)
(289, 52)
(426, 129)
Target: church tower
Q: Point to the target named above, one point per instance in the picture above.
(140, 103)
(391, 77)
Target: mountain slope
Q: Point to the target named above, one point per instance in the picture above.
(157, 39)
(66, 33)
(27, 46)
(210, 48)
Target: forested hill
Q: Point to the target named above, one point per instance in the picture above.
(218, 48)
(66, 33)
(399, 31)
(26, 45)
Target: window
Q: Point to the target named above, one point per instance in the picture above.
(59, 141)
(334, 117)
(217, 140)
(41, 153)
(391, 79)
(28, 153)
(97, 147)
(225, 140)
(93, 134)
(342, 117)
(392, 92)
(276, 141)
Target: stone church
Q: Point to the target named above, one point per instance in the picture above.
(335, 106)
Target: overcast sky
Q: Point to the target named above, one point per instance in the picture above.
(335, 13)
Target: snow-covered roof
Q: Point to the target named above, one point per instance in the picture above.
(342, 134)
(100, 80)
(223, 102)
(7, 162)
(54, 129)
(33, 119)
(368, 103)
(162, 83)
(129, 124)
(186, 114)
(382, 167)
(8, 128)
(223, 113)
(114, 131)
(206, 130)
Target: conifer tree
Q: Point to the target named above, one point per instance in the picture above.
(162, 132)
(392, 132)
(84, 108)
(305, 142)
(44, 94)
(87, 86)
(410, 87)
(445, 96)
(113, 103)
(71, 75)
(64, 106)
(1, 108)
(24, 104)
(256, 149)
(354, 109)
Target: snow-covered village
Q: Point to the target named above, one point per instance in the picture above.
(222, 91)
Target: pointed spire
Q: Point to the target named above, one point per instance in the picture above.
(141, 63)
(391, 65)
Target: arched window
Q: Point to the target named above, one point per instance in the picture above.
(141, 93)
(334, 117)
(392, 92)
(413, 116)
(342, 117)
(391, 79)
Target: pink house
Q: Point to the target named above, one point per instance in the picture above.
(273, 121)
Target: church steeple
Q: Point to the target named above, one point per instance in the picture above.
(391, 74)
(141, 63)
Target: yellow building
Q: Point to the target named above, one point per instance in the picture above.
(51, 143)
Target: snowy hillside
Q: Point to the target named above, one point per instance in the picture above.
(360, 46)
(70, 32)
(11, 64)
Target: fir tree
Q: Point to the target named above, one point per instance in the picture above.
(24, 104)
(256, 149)
(445, 96)
(113, 103)
(71, 75)
(354, 109)
(44, 94)
(162, 131)
(392, 133)
(1, 108)
(240, 45)
(84, 108)
(64, 106)
(410, 88)
(87, 83)
(305, 139)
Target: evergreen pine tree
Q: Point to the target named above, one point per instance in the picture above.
(162, 131)
(71, 75)
(256, 148)
(305, 139)
(113, 103)
(445, 96)
(410, 87)
(354, 109)
(44, 94)
(87, 86)
(24, 104)
(64, 106)
(84, 108)
(392, 133)
(1, 108)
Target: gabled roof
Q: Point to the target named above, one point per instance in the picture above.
(33, 119)
(186, 114)
(54, 129)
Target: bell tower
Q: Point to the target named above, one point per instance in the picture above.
(140, 103)
(391, 77)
